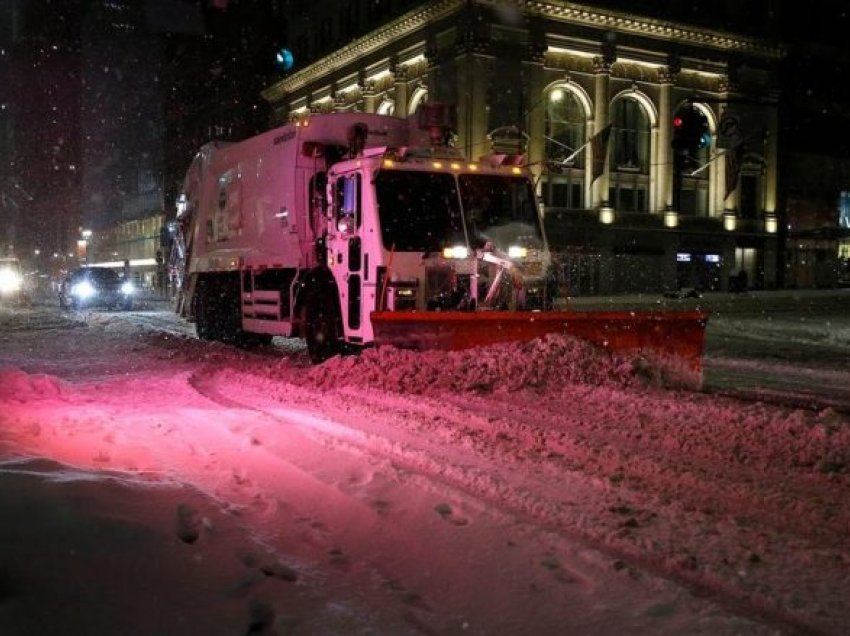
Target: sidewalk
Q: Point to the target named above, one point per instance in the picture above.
(784, 300)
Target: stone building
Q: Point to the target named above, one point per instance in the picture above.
(556, 74)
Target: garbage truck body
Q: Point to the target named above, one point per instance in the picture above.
(356, 229)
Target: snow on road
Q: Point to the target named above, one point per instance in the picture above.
(145, 475)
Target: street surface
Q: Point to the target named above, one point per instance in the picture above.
(534, 489)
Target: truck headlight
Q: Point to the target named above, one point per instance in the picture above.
(83, 290)
(516, 251)
(128, 288)
(456, 251)
(10, 281)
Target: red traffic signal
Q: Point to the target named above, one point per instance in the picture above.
(690, 131)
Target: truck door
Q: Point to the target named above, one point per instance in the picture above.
(345, 247)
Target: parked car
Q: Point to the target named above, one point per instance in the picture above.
(11, 280)
(96, 287)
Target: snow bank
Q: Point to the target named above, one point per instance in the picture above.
(17, 386)
(543, 364)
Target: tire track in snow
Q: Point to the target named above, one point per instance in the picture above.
(594, 511)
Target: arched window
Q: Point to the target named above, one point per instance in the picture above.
(694, 197)
(565, 131)
(420, 96)
(386, 107)
(565, 126)
(629, 158)
(630, 137)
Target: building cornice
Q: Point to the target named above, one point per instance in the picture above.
(646, 27)
(557, 10)
(372, 42)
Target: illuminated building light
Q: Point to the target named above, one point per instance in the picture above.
(437, 165)
(455, 166)
(627, 60)
(379, 75)
(516, 170)
(683, 257)
(729, 221)
(556, 95)
(389, 163)
(606, 215)
(671, 218)
(770, 224)
(414, 60)
(559, 50)
(473, 167)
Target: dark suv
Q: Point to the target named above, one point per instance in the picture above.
(96, 287)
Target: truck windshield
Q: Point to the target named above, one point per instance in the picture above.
(419, 211)
(500, 210)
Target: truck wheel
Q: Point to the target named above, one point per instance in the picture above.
(206, 318)
(255, 340)
(322, 329)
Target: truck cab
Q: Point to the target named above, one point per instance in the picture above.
(428, 231)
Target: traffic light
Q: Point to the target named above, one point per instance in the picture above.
(284, 59)
(690, 131)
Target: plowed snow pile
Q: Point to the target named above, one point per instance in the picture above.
(544, 364)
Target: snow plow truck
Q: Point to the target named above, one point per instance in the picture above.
(351, 230)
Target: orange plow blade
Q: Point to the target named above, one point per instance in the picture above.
(676, 339)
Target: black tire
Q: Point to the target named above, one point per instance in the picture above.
(322, 329)
(206, 321)
(218, 312)
(255, 340)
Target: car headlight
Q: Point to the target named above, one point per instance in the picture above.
(83, 290)
(10, 281)
(128, 288)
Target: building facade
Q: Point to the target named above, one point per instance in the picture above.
(556, 74)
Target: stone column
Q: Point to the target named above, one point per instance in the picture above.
(532, 70)
(728, 90)
(664, 158)
(473, 71)
(340, 101)
(401, 76)
(602, 76)
(771, 154)
(370, 97)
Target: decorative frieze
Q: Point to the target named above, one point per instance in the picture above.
(368, 87)
(471, 40)
(602, 65)
(401, 72)
(535, 53)
(667, 75)
(727, 84)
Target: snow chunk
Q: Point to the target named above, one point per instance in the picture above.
(547, 363)
(17, 386)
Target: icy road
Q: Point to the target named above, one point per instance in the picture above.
(151, 483)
